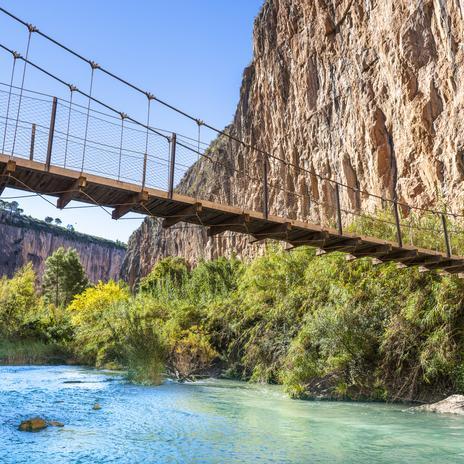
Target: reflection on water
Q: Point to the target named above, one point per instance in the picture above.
(213, 421)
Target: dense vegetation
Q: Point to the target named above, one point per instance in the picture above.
(321, 326)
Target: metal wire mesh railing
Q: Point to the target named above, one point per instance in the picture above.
(98, 139)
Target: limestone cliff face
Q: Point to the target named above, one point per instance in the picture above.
(24, 240)
(366, 92)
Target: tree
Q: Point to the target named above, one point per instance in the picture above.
(13, 206)
(70, 227)
(168, 271)
(48, 220)
(58, 222)
(18, 301)
(64, 277)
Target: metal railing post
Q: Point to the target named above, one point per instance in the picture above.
(265, 187)
(172, 165)
(51, 133)
(339, 209)
(31, 151)
(398, 224)
(445, 232)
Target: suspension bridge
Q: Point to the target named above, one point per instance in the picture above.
(99, 155)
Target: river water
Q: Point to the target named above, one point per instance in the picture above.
(214, 421)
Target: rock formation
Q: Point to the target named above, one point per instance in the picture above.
(24, 240)
(366, 92)
(454, 404)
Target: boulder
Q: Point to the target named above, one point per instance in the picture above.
(32, 425)
(96, 407)
(454, 404)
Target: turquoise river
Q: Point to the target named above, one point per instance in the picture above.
(213, 421)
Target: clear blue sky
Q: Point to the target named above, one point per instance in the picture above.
(189, 52)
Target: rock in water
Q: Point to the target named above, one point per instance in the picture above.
(96, 407)
(32, 425)
(454, 404)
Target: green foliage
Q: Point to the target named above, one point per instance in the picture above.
(317, 325)
(143, 341)
(98, 319)
(63, 277)
(30, 351)
(31, 331)
(18, 302)
(168, 272)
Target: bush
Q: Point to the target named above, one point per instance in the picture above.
(98, 317)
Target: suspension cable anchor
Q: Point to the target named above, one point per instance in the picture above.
(72, 88)
(123, 115)
(16, 55)
(32, 28)
(200, 122)
(94, 65)
(150, 96)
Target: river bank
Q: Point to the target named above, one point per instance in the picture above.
(211, 421)
(33, 352)
(321, 327)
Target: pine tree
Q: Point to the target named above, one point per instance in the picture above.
(64, 277)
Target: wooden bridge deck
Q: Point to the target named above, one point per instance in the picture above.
(124, 197)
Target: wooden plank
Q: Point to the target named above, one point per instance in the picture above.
(273, 231)
(312, 239)
(343, 244)
(372, 249)
(445, 263)
(183, 214)
(236, 223)
(77, 186)
(399, 256)
(132, 201)
(455, 269)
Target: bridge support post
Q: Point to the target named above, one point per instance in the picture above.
(398, 224)
(445, 233)
(51, 134)
(265, 187)
(172, 165)
(32, 148)
(339, 209)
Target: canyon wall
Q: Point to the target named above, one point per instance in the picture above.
(25, 240)
(366, 92)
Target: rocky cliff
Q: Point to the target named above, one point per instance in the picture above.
(366, 92)
(24, 240)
